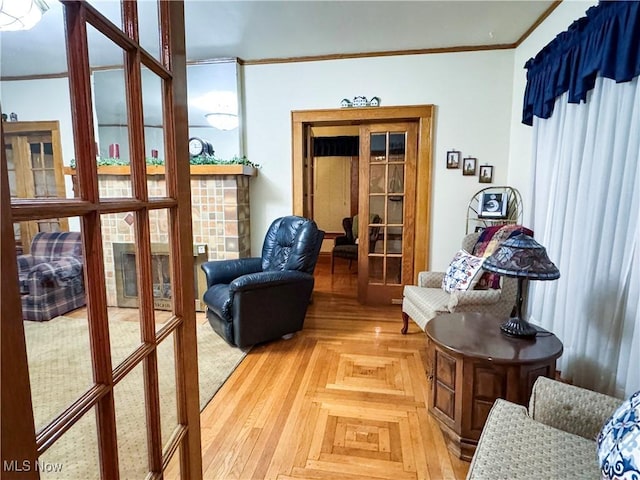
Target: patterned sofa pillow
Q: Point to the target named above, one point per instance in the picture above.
(463, 272)
(619, 442)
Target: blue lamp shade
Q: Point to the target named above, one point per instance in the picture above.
(619, 442)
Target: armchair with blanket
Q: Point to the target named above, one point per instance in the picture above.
(255, 300)
(492, 294)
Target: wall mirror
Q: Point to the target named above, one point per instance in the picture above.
(213, 91)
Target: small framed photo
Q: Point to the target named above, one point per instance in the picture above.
(486, 174)
(453, 159)
(493, 205)
(469, 166)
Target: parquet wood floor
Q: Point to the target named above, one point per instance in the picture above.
(343, 399)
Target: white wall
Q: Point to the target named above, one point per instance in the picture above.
(521, 140)
(44, 100)
(41, 100)
(471, 91)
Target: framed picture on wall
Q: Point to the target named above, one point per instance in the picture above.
(493, 205)
(486, 174)
(469, 166)
(453, 159)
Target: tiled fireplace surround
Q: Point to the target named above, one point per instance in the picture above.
(219, 208)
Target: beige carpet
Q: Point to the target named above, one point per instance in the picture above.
(60, 371)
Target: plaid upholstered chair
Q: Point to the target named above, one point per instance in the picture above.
(51, 276)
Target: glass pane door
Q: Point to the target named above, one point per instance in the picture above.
(387, 205)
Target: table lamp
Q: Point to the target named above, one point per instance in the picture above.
(524, 258)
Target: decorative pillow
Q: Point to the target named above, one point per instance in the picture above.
(619, 442)
(462, 272)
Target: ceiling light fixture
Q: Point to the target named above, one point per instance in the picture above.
(20, 14)
(223, 121)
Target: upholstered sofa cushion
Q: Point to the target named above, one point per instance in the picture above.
(514, 446)
(555, 439)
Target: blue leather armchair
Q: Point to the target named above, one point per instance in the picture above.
(254, 300)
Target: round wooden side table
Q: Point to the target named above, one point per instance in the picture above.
(471, 363)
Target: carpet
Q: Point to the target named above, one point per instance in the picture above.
(60, 372)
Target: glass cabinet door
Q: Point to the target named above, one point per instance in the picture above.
(34, 161)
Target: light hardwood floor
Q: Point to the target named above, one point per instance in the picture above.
(345, 398)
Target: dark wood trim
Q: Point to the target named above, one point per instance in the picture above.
(388, 53)
(354, 185)
(82, 118)
(17, 431)
(537, 23)
(181, 235)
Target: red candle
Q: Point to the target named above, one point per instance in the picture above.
(114, 150)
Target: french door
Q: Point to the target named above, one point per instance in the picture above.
(111, 408)
(387, 205)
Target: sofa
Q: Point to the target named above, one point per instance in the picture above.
(51, 276)
(554, 439)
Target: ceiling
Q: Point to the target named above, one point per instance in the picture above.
(255, 31)
(258, 30)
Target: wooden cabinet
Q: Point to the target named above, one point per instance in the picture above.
(34, 164)
(471, 363)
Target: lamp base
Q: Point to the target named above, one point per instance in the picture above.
(517, 327)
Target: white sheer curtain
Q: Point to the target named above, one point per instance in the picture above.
(586, 210)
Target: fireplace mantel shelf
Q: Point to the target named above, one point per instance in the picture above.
(159, 170)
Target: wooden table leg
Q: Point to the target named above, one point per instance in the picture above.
(405, 323)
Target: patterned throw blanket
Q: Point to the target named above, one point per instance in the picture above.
(488, 242)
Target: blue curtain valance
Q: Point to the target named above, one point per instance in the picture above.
(605, 42)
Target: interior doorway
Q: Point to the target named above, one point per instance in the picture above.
(394, 262)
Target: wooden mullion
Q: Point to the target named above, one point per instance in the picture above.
(63, 422)
(130, 19)
(409, 199)
(146, 311)
(133, 80)
(154, 65)
(82, 117)
(17, 431)
(181, 237)
(168, 328)
(105, 26)
(43, 209)
(25, 210)
(173, 444)
(152, 397)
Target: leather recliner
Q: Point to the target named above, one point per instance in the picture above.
(258, 299)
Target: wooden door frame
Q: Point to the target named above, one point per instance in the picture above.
(422, 114)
